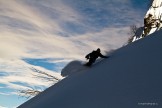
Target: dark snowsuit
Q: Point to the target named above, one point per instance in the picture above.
(93, 56)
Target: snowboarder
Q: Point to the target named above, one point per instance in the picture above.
(93, 56)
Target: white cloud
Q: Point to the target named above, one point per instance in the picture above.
(23, 12)
(29, 32)
(107, 39)
(42, 43)
(1, 93)
(2, 107)
(20, 76)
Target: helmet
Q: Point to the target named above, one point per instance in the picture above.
(98, 50)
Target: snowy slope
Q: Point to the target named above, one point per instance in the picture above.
(130, 78)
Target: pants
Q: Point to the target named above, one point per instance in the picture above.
(91, 61)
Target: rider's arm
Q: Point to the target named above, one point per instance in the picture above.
(102, 56)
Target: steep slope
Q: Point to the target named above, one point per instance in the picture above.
(130, 78)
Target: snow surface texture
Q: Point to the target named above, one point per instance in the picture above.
(130, 78)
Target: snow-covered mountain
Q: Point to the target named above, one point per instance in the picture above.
(152, 20)
(130, 78)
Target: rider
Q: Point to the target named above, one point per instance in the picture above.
(93, 56)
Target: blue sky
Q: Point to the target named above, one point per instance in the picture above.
(47, 34)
